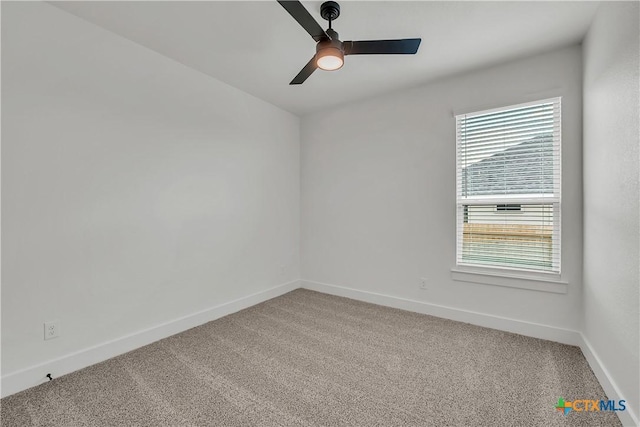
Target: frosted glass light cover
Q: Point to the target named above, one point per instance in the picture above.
(330, 59)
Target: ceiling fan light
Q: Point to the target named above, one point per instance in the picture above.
(330, 59)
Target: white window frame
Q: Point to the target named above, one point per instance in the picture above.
(516, 276)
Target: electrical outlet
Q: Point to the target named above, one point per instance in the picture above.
(423, 283)
(51, 329)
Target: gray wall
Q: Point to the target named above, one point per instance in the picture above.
(611, 194)
(378, 190)
(135, 190)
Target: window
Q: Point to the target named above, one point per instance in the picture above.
(508, 187)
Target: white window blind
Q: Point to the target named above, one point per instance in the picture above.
(508, 187)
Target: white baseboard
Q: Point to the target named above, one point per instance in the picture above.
(551, 333)
(628, 417)
(530, 329)
(34, 375)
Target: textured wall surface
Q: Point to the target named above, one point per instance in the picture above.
(378, 190)
(611, 194)
(135, 190)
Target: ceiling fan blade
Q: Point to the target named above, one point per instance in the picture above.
(374, 47)
(305, 72)
(300, 14)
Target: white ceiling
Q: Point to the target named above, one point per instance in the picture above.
(258, 48)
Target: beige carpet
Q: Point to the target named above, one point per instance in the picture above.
(311, 359)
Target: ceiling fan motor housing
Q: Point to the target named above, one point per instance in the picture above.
(333, 41)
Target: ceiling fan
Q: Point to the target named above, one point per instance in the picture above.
(330, 51)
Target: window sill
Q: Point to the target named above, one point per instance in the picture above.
(549, 283)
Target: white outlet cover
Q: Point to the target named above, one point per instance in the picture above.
(51, 329)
